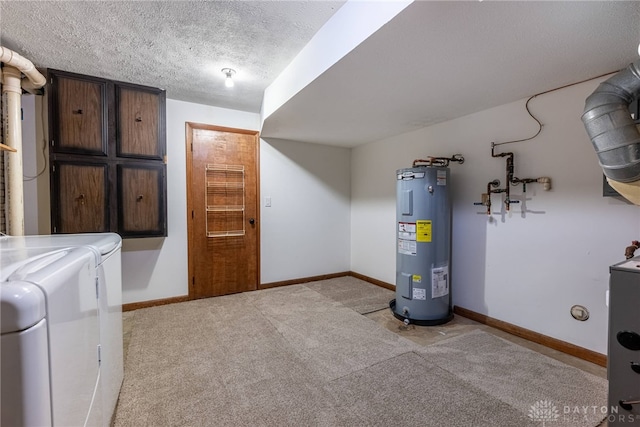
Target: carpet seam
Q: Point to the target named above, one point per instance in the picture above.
(372, 365)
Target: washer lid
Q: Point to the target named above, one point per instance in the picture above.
(104, 242)
(12, 259)
(22, 305)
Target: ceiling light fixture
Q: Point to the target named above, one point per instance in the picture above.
(228, 72)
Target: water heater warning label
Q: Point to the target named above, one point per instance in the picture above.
(407, 247)
(419, 293)
(439, 282)
(407, 230)
(423, 230)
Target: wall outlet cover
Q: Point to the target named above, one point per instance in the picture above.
(579, 312)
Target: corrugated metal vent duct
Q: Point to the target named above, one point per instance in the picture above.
(613, 132)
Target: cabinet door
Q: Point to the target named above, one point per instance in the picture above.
(79, 114)
(140, 122)
(81, 193)
(141, 199)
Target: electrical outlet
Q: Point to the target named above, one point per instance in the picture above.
(579, 312)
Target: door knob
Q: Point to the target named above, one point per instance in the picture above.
(252, 221)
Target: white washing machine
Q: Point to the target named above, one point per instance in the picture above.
(23, 261)
(49, 341)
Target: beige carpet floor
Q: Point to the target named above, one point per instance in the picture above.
(303, 355)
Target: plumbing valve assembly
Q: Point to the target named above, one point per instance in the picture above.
(630, 251)
(493, 187)
(438, 161)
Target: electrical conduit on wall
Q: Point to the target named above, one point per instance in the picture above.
(12, 85)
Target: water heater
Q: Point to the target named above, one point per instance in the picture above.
(423, 237)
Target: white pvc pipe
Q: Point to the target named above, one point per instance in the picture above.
(14, 200)
(27, 68)
(546, 182)
(11, 78)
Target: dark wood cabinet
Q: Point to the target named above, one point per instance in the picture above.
(83, 196)
(140, 192)
(138, 122)
(107, 156)
(79, 112)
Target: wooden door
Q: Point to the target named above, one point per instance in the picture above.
(222, 210)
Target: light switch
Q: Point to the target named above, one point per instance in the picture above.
(267, 202)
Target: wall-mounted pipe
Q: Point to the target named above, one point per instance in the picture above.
(509, 177)
(35, 79)
(439, 161)
(493, 187)
(612, 131)
(545, 181)
(630, 251)
(12, 84)
(11, 93)
(495, 190)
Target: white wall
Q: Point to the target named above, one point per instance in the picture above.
(526, 267)
(31, 163)
(306, 230)
(304, 233)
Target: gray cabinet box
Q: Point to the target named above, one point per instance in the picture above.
(623, 362)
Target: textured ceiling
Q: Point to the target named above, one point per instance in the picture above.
(180, 46)
(436, 61)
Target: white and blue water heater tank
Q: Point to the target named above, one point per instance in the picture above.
(423, 252)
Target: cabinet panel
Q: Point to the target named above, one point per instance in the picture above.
(81, 192)
(79, 115)
(139, 122)
(141, 195)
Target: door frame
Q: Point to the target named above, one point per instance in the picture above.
(189, 127)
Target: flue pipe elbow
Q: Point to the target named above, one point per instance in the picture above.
(610, 126)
